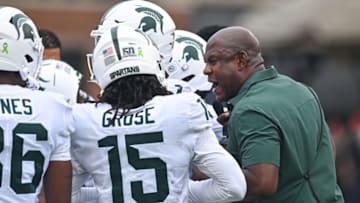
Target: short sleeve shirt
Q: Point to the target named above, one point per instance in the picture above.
(278, 121)
(145, 155)
(35, 129)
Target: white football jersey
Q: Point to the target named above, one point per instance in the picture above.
(34, 130)
(216, 126)
(144, 156)
(177, 86)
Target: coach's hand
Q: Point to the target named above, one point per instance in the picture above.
(223, 118)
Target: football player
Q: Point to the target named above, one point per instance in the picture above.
(177, 86)
(139, 140)
(51, 76)
(58, 76)
(187, 64)
(34, 126)
(152, 20)
(145, 16)
(53, 50)
(52, 44)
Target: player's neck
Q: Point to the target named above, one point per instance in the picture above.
(11, 78)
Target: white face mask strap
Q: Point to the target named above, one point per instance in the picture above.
(89, 59)
(96, 34)
(24, 73)
(32, 83)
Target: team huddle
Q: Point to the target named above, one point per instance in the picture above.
(138, 142)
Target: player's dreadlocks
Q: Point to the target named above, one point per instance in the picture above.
(131, 92)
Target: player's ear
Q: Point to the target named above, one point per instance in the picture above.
(241, 59)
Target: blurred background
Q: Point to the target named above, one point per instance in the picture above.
(315, 42)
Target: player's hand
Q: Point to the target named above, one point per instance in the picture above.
(223, 118)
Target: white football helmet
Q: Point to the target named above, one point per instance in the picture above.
(21, 48)
(177, 86)
(123, 51)
(145, 16)
(57, 76)
(188, 60)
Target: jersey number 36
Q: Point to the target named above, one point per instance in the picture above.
(17, 157)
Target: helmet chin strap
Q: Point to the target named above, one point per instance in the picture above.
(24, 73)
(30, 81)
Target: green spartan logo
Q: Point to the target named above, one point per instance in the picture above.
(190, 52)
(150, 20)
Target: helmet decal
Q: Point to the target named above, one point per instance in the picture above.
(149, 22)
(140, 52)
(108, 55)
(4, 49)
(190, 52)
(114, 33)
(124, 72)
(28, 32)
(128, 52)
(20, 21)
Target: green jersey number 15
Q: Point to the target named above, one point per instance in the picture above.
(157, 164)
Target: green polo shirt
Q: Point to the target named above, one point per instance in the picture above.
(277, 120)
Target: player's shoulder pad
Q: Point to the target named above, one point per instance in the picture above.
(186, 97)
(84, 110)
(81, 107)
(54, 97)
(196, 103)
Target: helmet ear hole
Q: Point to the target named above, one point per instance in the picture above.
(29, 59)
(188, 78)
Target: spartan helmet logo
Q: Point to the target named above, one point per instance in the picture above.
(191, 51)
(150, 21)
(20, 22)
